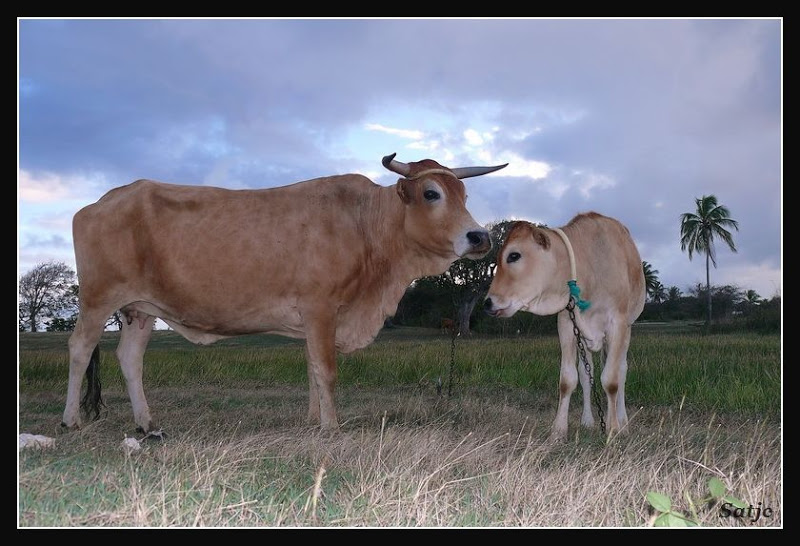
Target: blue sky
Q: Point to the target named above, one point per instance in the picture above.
(633, 118)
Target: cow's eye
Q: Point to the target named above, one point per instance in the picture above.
(431, 195)
(513, 257)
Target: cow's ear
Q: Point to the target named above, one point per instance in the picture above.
(541, 238)
(404, 190)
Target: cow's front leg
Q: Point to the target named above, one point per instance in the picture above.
(321, 354)
(313, 393)
(568, 379)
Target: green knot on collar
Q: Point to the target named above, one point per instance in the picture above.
(575, 292)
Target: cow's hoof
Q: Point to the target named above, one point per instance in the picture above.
(157, 435)
(64, 428)
(154, 434)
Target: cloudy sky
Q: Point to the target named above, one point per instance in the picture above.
(631, 118)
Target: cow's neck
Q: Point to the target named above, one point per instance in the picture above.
(553, 295)
(567, 254)
(391, 264)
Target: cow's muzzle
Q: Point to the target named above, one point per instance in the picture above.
(480, 243)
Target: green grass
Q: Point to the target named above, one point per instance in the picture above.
(724, 373)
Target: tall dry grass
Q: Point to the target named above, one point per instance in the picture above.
(244, 458)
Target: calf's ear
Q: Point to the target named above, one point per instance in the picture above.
(541, 238)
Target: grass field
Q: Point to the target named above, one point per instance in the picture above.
(238, 451)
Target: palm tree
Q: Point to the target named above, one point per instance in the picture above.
(752, 297)
(650, 278)
(698, 230)
(659, 293)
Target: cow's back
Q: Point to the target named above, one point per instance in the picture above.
(210, 257)
(611, 267)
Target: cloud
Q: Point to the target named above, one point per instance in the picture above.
(763, 278)
(55, 240)
(45, 188)
(632, 118)
(518, 166)
(424, 145)
(30, 258)
(54, 188)
(473, 137)
(590, 181)
(402, 133)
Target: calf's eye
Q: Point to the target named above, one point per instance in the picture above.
(431, 195)
(513, 257)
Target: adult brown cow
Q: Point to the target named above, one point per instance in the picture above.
(326, 260)
(533, 269)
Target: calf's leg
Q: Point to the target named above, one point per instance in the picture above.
(568, 379)
(615, 373)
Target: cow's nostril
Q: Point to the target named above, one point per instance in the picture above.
(477, 237)
(487, 304)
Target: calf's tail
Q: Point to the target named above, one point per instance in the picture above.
(92, 401)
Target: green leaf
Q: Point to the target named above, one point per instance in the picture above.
(660, 502)
(673, 520)
(661, 521)
(717, 488)
(734, 501)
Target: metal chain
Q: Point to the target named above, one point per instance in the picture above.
(582, 351)
(453, 336)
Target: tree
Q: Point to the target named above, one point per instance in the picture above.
(58, 324)
(658, 293)
(725, 298)
(650, 278)
(672, 302)
(674, 294)
(749, 302)
(114, 320)
(425, 303)
(469, 280)
(752, 297)
(46, 291)
(699, 230)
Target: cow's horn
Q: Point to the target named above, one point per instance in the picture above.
(467, 172)
(396, 166)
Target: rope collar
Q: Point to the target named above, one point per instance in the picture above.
(431, 171)
(572, 283)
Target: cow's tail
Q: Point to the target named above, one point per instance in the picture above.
(92, 401)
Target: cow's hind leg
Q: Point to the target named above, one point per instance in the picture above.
(82, 343)
(614, 375)
(130, 352)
